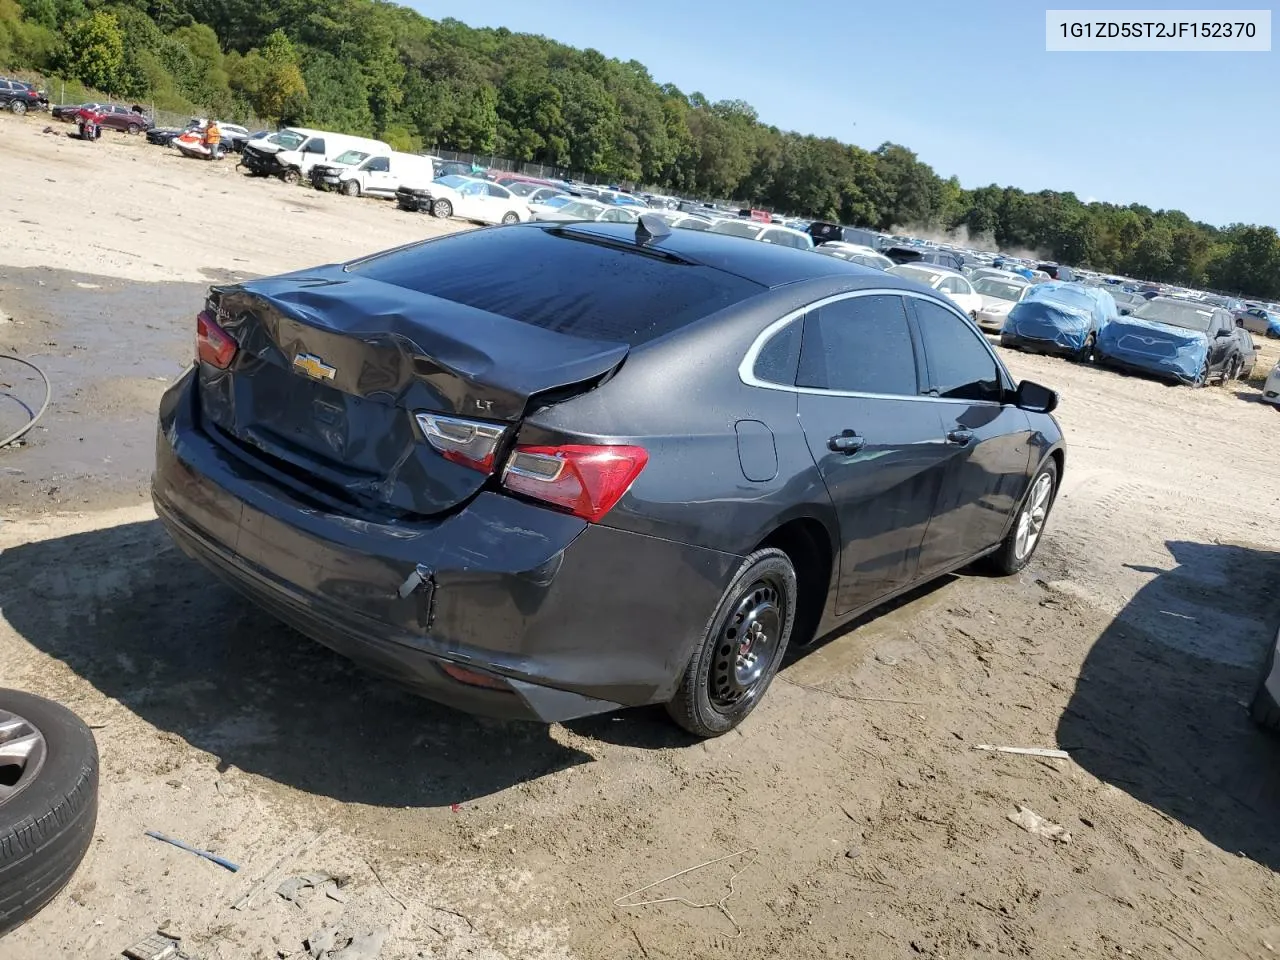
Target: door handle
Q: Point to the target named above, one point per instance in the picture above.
(959, 436)
(846, 442)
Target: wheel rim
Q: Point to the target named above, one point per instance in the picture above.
(510, 218)
(443, 209)
(747, 645)
(22, 753)
(19, 108)
(1034, 513)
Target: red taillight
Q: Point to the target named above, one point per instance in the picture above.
(585, 480)
(213, 344)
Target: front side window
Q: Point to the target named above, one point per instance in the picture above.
(960, 362)
(859, 345)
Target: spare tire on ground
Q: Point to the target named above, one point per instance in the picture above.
(48, 801)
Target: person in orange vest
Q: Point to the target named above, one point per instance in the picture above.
(213, 139)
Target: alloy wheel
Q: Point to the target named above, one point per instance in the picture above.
(22, 754)
(1034, 513)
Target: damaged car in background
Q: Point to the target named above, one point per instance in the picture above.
(1186, 341)
(550, 470)
(1059, 318)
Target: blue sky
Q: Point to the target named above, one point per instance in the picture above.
(968, 86)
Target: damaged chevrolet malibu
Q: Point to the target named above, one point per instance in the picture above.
(548, 470)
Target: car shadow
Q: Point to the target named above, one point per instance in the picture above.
(1159, 709)
(127, 611)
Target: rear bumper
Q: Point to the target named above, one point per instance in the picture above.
(573, 618)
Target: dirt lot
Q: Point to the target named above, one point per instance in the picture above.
(850, 817)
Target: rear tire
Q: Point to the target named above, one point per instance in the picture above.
(510, 218)
(133, 129)
(1231, 371)
(1013, 553)
(442, 209)
(18, 108)
(741, 649)
(47, 824)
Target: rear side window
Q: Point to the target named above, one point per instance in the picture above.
(559, 281)
(776, 362)
(859, 345)
(960, 362)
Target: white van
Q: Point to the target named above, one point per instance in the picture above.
(291, 153)
(380, 175)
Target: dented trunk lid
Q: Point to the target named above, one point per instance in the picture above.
(333, 367)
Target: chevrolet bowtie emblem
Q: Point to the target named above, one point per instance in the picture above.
(314, 367)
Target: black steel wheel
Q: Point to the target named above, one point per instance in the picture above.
(742, 648)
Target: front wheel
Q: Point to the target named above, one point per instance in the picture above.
(1203, 376)
(442, 209)
(741, 649)
(351, 189)
(18, 107)
(1020, 544)
(1086, 352)
(291, 176)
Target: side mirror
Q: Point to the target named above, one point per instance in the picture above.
(1125, 311)
(1034, 398)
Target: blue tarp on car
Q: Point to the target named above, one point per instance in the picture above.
(1058, 317)
(1159, 348)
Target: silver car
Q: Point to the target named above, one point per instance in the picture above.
(999, 294)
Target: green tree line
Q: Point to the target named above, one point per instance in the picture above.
(375, 68)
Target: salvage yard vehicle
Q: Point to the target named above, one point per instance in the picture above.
(999, 295)
(587, 210)
(1059, 318)
(764, 232)
(19, 97)
(614, 464)
(1181, 340)
(48, 802)
(468, 198)
(950, 282)
(292, 152)
(355, 173)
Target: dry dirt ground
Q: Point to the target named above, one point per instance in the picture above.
(850, 817)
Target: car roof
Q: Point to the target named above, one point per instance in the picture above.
(765, 263)
(931, 267)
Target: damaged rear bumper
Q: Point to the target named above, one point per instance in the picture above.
(558, 618)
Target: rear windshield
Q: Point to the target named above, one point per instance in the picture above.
(558, 282)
